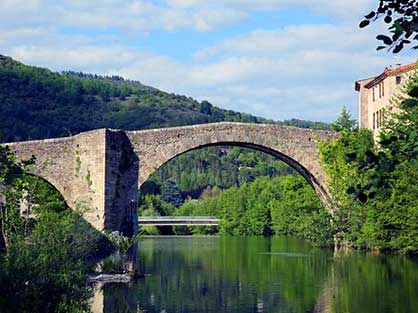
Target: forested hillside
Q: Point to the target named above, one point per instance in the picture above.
(223, 167)
(36, 103)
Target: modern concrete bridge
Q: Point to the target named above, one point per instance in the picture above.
(101, 170)
(178, 221)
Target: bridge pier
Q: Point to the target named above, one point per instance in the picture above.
(121, 184)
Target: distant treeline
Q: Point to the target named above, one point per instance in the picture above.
(222, 167)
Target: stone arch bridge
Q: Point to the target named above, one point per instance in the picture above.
(102, 169)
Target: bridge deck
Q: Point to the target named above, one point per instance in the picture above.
(178, 220)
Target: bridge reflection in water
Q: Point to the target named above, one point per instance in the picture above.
(178, 221)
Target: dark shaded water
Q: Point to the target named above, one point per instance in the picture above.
(256, 274)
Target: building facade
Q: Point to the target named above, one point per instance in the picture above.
(376, 93)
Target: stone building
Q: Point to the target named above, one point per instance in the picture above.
(375, 94)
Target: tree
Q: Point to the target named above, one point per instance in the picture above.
(45, 271)
(150, 187)
(342, 159)
(153, 205)
(171, 193)
(206, 107)
(401, 16)
(12, 184)
(344, 122)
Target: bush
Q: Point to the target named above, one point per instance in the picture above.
(45, 271)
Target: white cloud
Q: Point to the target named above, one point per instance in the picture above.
(128, 16)
(303, 71)
(141, 16)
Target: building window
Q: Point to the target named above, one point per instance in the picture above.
(374, 120)
(377, 119)
(380, 117)
(374, 96)
(398, 80)
(381, 88)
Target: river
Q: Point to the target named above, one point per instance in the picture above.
(257, 274)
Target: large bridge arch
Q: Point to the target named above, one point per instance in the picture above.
(295, 146)
(311, 179)
(102, 169)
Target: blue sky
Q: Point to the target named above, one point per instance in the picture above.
(278, 59)
(182, 44)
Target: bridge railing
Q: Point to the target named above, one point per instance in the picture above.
(178, 220)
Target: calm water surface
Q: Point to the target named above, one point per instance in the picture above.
(256, 274)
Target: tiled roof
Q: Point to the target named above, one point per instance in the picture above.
(391, 72)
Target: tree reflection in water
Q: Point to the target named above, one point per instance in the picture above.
(257, 274)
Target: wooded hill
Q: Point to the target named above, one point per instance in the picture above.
(36, 103)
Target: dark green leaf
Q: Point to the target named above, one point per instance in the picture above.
(388, 19)
(414, 163)
(364, 23)
(370, 15)
(387, 140)
(398, 48)
(385, 39)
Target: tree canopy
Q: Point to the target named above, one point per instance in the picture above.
(344, 121)
(401, 17)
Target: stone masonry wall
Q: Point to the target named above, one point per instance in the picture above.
(75, 166)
